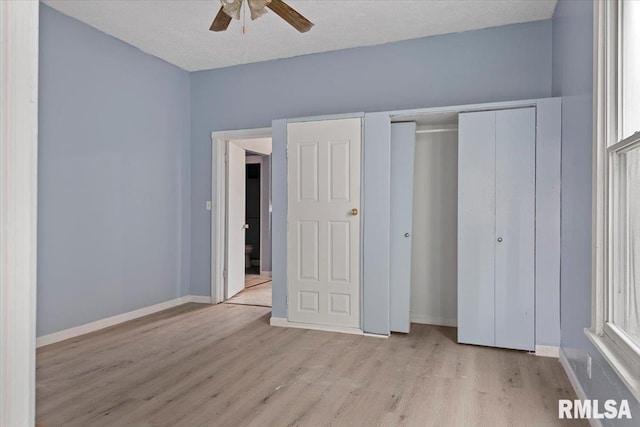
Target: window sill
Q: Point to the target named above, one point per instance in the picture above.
(627, 370)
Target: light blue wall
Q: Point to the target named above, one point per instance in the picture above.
(505, 63)
(113, 231)
(548, 208)
(376, 233)
(278, 221)
(573, 79)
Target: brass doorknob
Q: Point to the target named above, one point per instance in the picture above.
(354, 212)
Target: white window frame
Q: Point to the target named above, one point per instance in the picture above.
(621, 352)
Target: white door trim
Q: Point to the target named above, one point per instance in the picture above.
(254, 160)
(18, 209)
(218, 199)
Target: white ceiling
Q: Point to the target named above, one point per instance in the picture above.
(178, 30)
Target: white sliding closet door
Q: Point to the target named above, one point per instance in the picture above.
(476, 227)
(323, 242)
(403, 142)
(515, 228)
(496, 225)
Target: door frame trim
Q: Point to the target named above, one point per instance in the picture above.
(19, 31)
(219, 141)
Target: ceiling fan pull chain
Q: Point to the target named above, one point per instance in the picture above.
(244, 18)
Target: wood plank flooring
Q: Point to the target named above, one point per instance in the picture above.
(255, 295)
(201, 365)
(251, 280)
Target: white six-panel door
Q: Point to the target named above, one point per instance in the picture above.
(323, 242)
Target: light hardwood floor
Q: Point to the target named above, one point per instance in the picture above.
(200, 365)
(255, 295)
(251, 280)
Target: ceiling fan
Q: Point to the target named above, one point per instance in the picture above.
(231, 9)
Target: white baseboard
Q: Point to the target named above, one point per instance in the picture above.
(265, 273)
(284, 323)
(573, 379)
(433, 320)
(547, 351)
(117, 319)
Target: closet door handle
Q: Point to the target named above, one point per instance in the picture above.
(499, 239)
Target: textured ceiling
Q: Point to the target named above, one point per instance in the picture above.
(178, 30)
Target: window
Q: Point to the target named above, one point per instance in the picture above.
(624, 238)
(629, 67)
(615, 329)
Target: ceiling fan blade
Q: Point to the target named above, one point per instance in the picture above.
(290, 15)
(221, 22)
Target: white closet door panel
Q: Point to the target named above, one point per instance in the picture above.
(476, 227)
(323, 250)
(515, 228)
(403, 141)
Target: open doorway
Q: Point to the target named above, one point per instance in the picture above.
(424, 213)
(248, 224)
(435, 214)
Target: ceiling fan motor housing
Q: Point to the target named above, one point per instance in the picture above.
(232, 8)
